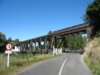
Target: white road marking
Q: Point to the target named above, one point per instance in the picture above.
(60, 71)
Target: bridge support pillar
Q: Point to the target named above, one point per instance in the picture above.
(45, 46)
(39, 46)
(34, 46)
(30, 46)
(89, 31)
(52, 42)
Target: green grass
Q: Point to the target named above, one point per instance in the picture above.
(94, 65)
(20, 61)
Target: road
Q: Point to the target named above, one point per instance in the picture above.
(68, 64)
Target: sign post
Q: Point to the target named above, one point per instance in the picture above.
(8, 52)
(8, 60)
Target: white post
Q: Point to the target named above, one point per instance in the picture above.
(8, 52)
(8, 59)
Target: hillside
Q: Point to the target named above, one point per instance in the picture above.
(92, 55)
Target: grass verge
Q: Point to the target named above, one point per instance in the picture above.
(92, 55)
(19, 61)
(94, 65)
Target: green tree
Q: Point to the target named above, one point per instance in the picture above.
(75, 42)
(93, 16)
(16, 41)
(2, 41)
(50, 33)
(9, 40)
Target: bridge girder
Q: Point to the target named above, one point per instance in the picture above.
(77, 29)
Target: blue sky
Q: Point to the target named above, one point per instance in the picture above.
(26, 19)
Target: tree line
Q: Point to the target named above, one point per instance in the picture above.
(71, 42)
(4, 41)
(92, 16)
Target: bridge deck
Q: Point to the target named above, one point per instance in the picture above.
(74, 29)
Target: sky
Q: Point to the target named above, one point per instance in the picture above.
(26, 19)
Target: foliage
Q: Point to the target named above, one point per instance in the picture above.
(93, 16)
(2, 42)
(72, 42)
(9, 39)
(75, 42)
(50, 33)
(2, 39)
(15, 42)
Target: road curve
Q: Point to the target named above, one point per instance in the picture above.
(68, 64)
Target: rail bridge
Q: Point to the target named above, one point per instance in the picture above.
(47, 42)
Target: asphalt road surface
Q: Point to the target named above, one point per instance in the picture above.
(68, 64)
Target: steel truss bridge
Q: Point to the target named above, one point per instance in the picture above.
(45, 43)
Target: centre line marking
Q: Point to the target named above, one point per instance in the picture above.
(60, 71)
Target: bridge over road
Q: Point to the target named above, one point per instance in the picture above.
(68, 64)
(40, 43)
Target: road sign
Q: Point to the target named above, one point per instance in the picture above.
(8, 46)
(8, 52)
